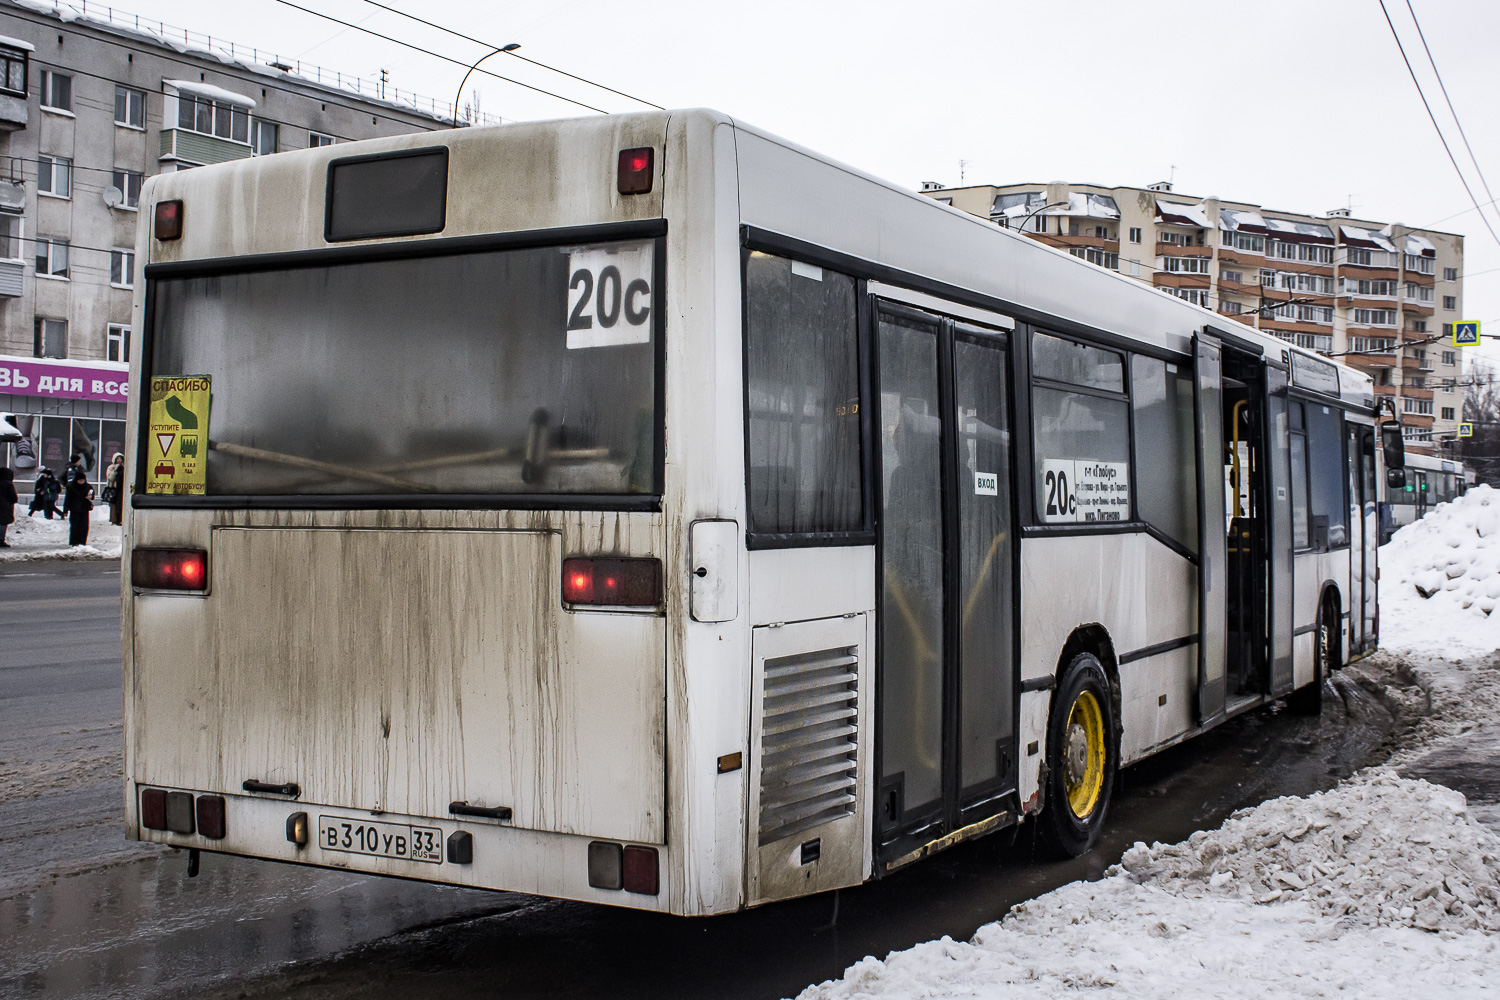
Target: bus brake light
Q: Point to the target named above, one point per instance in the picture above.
(635, 170)
(168, 220)
(612, 582)
(169, 569)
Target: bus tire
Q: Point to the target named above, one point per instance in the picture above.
(1326, 659)
(1083, 751)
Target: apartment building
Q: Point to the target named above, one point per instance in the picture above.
(1380, 295)
(92, 102)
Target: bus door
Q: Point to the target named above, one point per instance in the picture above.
(1213, 557)
(1363, 529)
(946, 691)
(1280, 547)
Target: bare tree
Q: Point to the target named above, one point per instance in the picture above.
(1481, 453)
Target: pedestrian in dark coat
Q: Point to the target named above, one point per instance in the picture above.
(44, 495)
(8, 501)
(78, 500)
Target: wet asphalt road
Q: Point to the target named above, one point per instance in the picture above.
(84, 913)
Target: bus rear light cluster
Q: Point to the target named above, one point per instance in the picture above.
(616, 866)
(635, 170)
(183, 812)
(168, 221)
(169, 569)
(612, 582)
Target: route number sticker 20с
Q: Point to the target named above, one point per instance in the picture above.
(1079, 490)
(610, 296)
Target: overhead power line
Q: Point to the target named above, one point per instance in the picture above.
(517, 55)
(1433, 118)
(435, 55)
(1451, 110)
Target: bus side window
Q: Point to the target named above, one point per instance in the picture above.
(1328, 479)
(1165, 458)
(1298, 444)
(802, 391)
(1081, 418)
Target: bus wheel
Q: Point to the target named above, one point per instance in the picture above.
(1082, 755)
(1326, 659)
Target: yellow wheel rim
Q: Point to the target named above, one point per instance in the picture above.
(1083, 755)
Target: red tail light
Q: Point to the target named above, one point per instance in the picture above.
(640, 870)
(635, 170)
(612, 582)
(168, 220)
(169, 569)
(154, 808)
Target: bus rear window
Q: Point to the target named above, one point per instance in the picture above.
(499, 372)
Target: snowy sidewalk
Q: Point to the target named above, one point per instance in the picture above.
(1386, 886)
(35, 537)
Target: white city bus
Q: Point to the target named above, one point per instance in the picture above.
(1429, 481)
(649, 511)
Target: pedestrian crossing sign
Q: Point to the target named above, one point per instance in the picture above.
(1466, 333)
(1466, 430)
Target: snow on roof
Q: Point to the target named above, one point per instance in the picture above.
(16, 43)
(1367, 238)
(208, 90)
(1017, 203)
(1306, 230)
(1095, 206)
(1420, 246)
(1233, 218)
(1177, 214)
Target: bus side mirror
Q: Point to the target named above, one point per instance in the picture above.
(1395, 478)
(1393, 444)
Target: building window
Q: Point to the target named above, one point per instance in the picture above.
(262, 138)
(1421, 407)
(1420, 264)
(130, 107)
(1135, 234)
(52, 258)
(210, 117)
(316, 139)
(10, 236)
(1133, 268)
(1450, 357)
(1375, 317)
(128, 183)
(1355, 255)
(1373, 345)
(57, 91)
(1231, 308)
(1450, 274)
(122, 268)
(1190, 265)
(1197, 296)
(54, 176)
(1418, 326)
(117, 342)
(13, 71)
(50, 338)
(1447, 413)
(1450, 302)
(1236, 277)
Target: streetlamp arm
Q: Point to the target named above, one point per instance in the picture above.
(460, 92)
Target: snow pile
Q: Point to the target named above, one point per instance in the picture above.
(32, 536)
(1440, 579)
(1382, 887)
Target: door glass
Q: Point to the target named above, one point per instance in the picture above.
(984, 596)
(912, 585)
(1371, 514)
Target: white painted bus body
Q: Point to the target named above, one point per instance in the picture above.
(376, 657)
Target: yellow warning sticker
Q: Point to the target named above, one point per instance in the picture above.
(177, 441)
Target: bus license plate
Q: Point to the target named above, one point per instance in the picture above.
(381, 840)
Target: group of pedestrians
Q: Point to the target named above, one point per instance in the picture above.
(77, 494)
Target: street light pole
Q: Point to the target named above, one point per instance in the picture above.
(459, 93)
(1043, 208)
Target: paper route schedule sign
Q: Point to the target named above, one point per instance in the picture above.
(177, 440)
(1084, 490)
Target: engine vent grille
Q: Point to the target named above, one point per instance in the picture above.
(809, 733)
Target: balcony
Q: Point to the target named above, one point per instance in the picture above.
(200, 149)
(1179, 250)
(1179, 279)
(1100, 242)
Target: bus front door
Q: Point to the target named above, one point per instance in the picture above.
(946, 688)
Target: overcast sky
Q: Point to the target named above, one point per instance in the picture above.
(1302, 105)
